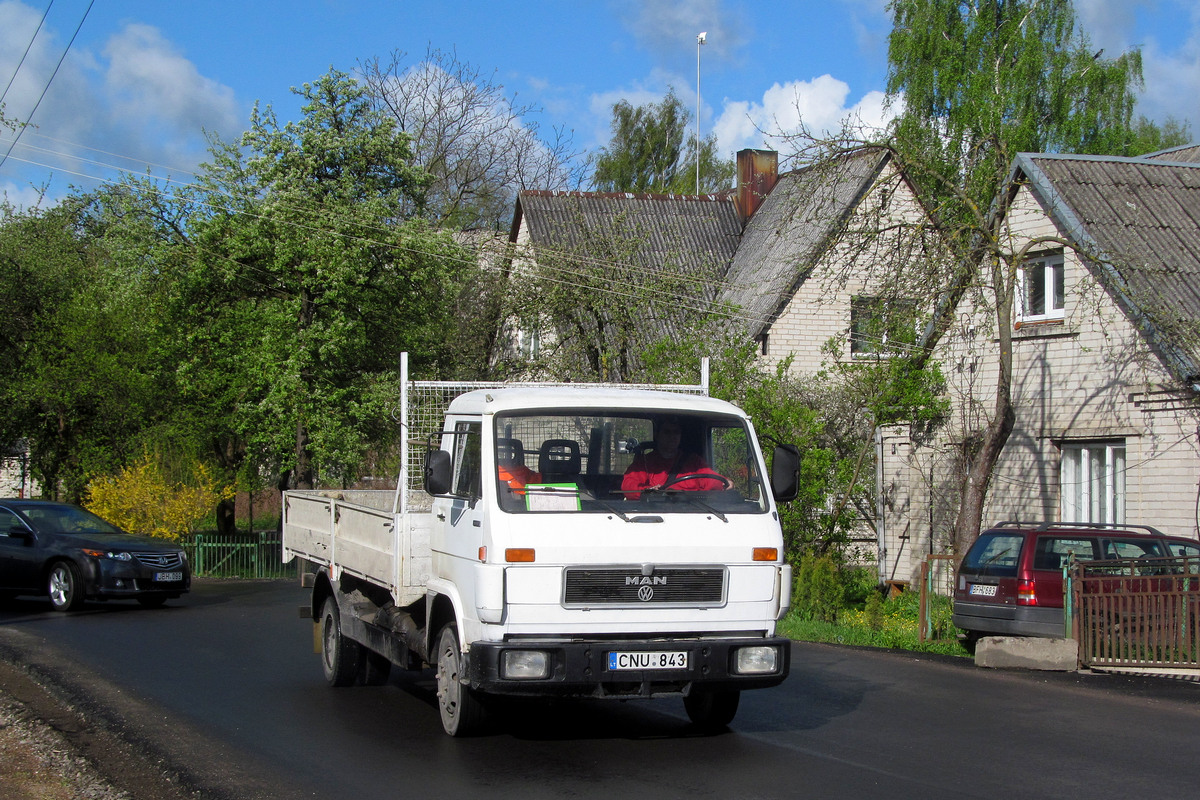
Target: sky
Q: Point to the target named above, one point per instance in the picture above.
(137, 85)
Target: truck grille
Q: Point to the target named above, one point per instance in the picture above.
(629, 586)
(160, 560)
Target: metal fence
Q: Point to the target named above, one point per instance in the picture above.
(1141, 613)
(237, 555)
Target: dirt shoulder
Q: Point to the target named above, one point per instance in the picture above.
(44, 746)
(69, 732)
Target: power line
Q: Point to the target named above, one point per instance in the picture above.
(28, 47)
(46, 88)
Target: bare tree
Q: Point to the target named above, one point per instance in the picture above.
(480, 144)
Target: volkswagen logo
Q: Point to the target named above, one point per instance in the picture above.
(645, 593)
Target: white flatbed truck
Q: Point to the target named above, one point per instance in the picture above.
(565, 584)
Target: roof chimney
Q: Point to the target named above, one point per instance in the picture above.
(757, 171)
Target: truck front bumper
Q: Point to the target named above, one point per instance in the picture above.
(627, 667)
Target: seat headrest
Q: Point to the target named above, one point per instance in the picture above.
(510, 451)
(559, 457)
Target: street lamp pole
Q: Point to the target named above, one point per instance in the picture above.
(699, 41)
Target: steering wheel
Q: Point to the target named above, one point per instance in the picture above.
(694, 475)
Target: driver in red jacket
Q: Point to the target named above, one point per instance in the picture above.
(651, 470)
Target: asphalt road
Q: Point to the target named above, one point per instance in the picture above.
(221, 693)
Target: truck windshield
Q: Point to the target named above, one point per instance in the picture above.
(627, 464)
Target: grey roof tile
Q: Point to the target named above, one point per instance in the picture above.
(1138, 220)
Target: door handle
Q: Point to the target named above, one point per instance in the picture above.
(441, 517)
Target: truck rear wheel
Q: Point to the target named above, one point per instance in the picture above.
(712, 709)
(340, 656)
(461, 711)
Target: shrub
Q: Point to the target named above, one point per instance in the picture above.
(873, 611)
(820, 592)
(141, 500)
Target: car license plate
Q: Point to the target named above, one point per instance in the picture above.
(983, 589)
(672, 659)
(168, 577)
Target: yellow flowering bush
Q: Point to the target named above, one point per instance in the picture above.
(142, 500)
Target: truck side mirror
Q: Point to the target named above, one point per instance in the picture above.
(437, 472)
(785, 473)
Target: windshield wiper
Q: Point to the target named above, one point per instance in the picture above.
(990, 561)
(608, 506)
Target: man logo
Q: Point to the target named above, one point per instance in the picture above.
(645, 593)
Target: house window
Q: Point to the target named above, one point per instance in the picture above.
(1093, 482)
(880, 327)
(1041, 289)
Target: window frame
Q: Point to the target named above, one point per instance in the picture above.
(879, 311)
(1052, 267)
(1079, 484)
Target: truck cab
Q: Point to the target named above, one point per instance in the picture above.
(576, 559)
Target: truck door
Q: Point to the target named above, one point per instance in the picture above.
(459, 515)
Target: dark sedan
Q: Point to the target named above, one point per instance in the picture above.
(70, 554)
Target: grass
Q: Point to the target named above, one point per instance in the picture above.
(891, 624)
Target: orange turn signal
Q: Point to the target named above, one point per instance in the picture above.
(483, 553)
(515, 555)
(766, 554)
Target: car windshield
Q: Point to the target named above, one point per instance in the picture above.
(62, 518)
(627, 463)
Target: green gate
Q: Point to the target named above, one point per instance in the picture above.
(237, 555)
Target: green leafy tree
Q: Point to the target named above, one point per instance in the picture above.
(1149, 137)
(652, 151)
(309, 273)
(81, 383)
(981, 81)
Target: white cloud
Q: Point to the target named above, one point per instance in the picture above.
(671, 26)
(136, 103)
(21, 197)
(148, 79)
(818, 105)
(1171, 68)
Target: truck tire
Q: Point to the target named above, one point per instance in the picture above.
(461, 711)
(712, 709)
(340, 656)
(65, 586)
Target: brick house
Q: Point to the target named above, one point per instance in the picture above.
(1105, 349)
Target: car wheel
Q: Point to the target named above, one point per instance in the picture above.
(339, 655)
(712, 709)
(460, 708)
(64, 586)
(152, 600)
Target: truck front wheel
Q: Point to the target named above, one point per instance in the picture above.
(712, 709)
(339, 656)
(460, 708)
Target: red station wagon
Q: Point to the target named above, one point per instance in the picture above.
(1010, 583)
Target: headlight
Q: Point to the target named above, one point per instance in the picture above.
(525, 665)
(756, 660)
(116, 555)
